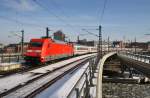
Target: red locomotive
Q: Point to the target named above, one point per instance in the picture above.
(46, 49)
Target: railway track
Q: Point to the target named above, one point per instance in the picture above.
(27, 78)
(8, 83)
(30, 88)
(29, 67)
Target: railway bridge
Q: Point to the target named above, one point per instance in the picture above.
(116, 65)
(137, 61)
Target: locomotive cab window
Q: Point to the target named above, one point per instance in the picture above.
(36, 44)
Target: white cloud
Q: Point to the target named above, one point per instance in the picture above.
(20, 5)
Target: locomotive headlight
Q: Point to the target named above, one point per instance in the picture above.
(38, 51)
(29, 51)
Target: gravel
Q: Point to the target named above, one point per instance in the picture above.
(119, 90)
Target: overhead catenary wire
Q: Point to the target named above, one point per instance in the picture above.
(61, 9)
(50, 11)
(103, 12)
(90, 33)
(100, 16)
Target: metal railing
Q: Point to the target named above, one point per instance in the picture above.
(82, 88)
(138, 57)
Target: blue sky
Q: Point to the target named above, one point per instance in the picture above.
(122, 18)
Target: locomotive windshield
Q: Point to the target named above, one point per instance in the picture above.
(35, 44)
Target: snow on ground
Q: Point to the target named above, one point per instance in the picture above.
(63, 87)
(62, 63)
(26, 90)
(12, 81)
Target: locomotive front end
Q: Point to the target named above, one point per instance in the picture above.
(34, 51)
